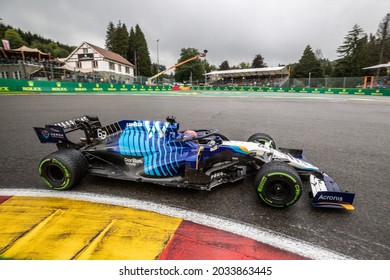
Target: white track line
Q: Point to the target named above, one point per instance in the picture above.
(256, 233)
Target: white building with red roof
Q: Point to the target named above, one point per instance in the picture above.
(100, 64)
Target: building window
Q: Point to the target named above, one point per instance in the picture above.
(3, 75)
(78, 64)
(111, 66)
(127, 70)
(95, 64)
(17, 75)
(119, 68)
(85, 50)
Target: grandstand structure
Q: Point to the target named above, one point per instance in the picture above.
(87, 63)
(22, 62)
(267, 76)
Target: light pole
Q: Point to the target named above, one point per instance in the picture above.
(309, 79)
(158, 62)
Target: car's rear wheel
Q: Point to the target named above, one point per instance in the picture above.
(278, 184)
(262, 138)
(63, 169)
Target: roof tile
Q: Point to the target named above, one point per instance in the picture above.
(111, 55)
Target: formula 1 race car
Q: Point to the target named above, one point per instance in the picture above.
(157, 152)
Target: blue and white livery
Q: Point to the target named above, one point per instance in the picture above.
(158, 152)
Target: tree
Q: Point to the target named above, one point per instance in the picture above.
(258, 62)
(224, 65)
(138, 52)
(144, 64)
(243, 65)
(372, 53)
(383, 35)
(110, 35)
(326, 66)
(157, 68)
(19, 38)
(207, 66)
(308, 65)
(350, 41)
(14, 38)
(117, 38)
(352, 53)
(56, 51)
(191, 70)
(36, 44)
(132, 47)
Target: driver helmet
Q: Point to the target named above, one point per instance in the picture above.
(189, 134)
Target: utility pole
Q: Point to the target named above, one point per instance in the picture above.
(135, 63)
(158, 62)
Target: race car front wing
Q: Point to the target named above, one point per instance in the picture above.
(327, 193)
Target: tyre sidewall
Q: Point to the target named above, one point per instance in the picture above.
(262, 138)
(290, 182)
(44, 168)
(63, 169)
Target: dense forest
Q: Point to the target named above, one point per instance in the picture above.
(358, 50)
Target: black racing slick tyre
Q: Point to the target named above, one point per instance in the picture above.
(262, 138)
(278, 184)
(63, 169)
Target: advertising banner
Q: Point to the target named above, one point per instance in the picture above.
(8, 86)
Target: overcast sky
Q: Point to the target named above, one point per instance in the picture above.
(233, 30)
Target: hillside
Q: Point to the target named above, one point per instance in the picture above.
(18, 38)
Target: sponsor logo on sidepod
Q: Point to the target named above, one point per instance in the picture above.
(133, 124)
(133, 161)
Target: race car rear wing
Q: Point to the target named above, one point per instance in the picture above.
(327, 193)
(56, 132)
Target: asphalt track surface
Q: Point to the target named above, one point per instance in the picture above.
(346, 136)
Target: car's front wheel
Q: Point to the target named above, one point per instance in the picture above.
(63, 169)
(278, 184)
